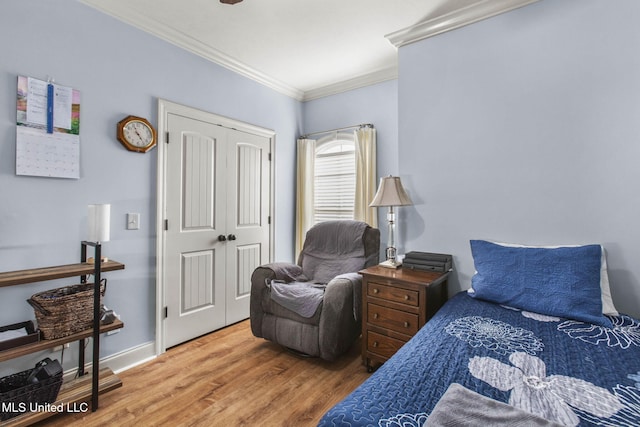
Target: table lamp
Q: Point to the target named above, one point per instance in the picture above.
(391, 193)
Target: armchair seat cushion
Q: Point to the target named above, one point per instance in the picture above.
(303, 298)
(270, 306)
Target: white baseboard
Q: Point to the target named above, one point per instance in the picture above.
(129, 358)
(123, 360)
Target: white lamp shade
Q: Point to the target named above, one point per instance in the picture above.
(391, 193)
(99, 223)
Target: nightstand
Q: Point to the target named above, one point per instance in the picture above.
(395, 305)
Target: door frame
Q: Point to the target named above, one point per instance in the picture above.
(165, 108)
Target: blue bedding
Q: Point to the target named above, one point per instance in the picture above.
(566, 371)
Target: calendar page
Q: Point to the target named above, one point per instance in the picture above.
(48, 129)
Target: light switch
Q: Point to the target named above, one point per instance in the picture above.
(133, 221)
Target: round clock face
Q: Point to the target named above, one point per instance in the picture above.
(136, 134)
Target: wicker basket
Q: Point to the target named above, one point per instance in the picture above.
(17, 394)
(64, 311)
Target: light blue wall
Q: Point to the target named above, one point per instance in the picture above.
(119, 71)
(526, 128)
(377, 104)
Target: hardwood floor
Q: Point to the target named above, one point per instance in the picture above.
(226, 378)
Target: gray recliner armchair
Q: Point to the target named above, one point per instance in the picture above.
(314, 306)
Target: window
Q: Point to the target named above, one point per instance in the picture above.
(332, 182)
(334, 178)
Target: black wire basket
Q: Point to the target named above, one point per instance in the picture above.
(24, 391)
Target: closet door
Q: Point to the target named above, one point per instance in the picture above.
(217, 206)
(195, 254)
(247, 214)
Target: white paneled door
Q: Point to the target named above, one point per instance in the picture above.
(248, 186)
(217, 231)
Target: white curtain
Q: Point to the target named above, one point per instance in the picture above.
(365, 141)
(306, 152)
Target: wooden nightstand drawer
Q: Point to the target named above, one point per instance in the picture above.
(383, 345)
(396, 303)
(395, 320)
(391, 293)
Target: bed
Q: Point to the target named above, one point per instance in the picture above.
(550, 357)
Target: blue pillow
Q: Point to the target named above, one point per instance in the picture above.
(562, 281)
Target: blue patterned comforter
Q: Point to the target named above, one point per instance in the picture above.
(566, 371)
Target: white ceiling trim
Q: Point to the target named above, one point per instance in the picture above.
(177, 38)
(142, 22)
(458, 18)
(369, 79)
(447, 22)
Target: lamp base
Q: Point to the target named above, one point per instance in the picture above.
(102, 259)
(390, 263)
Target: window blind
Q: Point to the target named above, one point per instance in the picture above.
(335, 185)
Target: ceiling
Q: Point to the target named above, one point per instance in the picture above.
(303, 48)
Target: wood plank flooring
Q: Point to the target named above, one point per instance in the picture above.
(227, 378)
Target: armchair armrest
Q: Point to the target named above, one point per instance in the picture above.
(340, 321)
(261, 276)
(282, 271)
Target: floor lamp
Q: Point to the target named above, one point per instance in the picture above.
(391, 193)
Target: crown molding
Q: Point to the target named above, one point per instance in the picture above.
(458, 18)
(177, 38)
(475, 12)
(379, 76)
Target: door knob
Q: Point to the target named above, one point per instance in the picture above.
(231, 237)
(222, 238)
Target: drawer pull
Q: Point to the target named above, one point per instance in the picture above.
(406, 297)
(375, 315)
(375, 290)
(406, 324)
(375, 344)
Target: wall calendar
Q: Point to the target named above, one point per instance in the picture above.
(48, 129)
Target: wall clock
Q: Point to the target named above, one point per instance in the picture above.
(136, 134)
